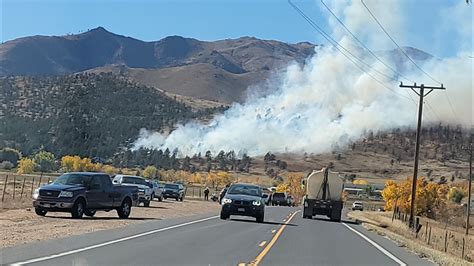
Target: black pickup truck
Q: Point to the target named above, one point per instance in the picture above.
(84, 193)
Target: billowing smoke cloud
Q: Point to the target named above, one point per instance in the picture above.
(323, 105)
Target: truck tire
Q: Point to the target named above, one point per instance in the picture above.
(182, 198)
(40, 211)
(177, 198)
(160, 199)
(89, 213)
(152, 196)
(78, 209)
(125, 208)
(260, 218)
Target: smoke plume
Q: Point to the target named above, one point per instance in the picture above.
(328, 103)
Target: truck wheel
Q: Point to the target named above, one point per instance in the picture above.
(182, 198)
(78, 209)
(40, 211)
(124, 210)
(260, 218)
(89, 213)
(152, 196)
(146, 203)
(177, 198)
(160, 198)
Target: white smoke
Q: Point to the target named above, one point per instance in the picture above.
(323, 105)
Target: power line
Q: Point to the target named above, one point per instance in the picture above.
(409, 58)
(399, 47)
(338, 46)
(363, 45)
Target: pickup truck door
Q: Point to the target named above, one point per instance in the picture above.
(110, 195)
(95, 193)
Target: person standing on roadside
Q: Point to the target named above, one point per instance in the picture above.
(206, 193)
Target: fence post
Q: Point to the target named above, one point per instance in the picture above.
(4, 187)
(32, 186)
(446, 241)
(22, 187)
(429, 237)
(41, 176)
(426, 231)
(14, 186)
(463, 243)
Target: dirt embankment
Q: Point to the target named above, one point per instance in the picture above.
(433, 241)
(22, 226)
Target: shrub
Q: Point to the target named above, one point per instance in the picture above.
(7, 165)
(11, 155)
(45, 161)
(150, 172)
(26, 166)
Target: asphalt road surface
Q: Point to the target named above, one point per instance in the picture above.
(283, 239)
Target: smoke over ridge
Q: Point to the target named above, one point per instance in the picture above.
(327, 103)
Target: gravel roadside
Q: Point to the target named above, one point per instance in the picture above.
(24, 226)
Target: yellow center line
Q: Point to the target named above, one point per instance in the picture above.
(241, 264)
(262, 244)
(272, 242)
(273, 231)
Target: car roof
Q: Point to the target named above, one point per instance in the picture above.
(245, 184)
(130, 176)
(87, 173)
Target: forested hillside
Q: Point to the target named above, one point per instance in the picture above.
(91, 115)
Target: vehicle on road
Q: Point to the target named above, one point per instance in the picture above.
(84, 193)
(323, 195)
(291, 201)
(357, 206)
(144, 191)
(157, 192)
(175, 191)
(279, 199)
(244, 200)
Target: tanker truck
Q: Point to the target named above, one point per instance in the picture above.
(323, 195)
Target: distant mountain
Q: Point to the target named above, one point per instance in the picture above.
(219, 70)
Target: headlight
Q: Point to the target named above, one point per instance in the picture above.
(257, 203)
(226, 201)
(66, 194)
(36, 193)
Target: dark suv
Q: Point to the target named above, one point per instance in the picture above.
(245, 200)
(175, 191)
(279, 199)
(84, 193)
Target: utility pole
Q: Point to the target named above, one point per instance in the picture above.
(422, 95)
(470, 184)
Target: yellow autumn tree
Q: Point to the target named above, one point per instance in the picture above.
(150, 172)
(109, 169)
(26, 166)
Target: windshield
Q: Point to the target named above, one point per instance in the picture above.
(279, 195)
(245, 190)
(134, 180)
(172, 186)
(72, 179)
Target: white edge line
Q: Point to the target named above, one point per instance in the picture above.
(377, 246)
(109, 242)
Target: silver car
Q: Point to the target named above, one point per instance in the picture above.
(144, 191)
(157, 189)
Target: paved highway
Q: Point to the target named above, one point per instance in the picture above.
(284, 239)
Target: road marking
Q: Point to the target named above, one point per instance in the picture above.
(272, 242)
(273, 231)
(110, 242)
(262, 244)
(377, 246)
(241, 264)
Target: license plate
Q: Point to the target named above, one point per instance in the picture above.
(46, 205)
(240, 209)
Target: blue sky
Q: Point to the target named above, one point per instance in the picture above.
(212, 20)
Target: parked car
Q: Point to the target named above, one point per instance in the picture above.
(144, 191)
(357, 206)
(175, 191)
(157, 190)
(279, 199)
(84, 193)
(244, 200)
